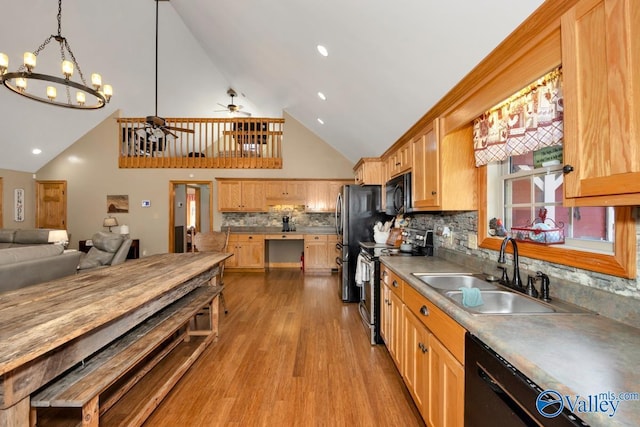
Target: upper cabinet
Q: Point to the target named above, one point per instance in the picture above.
(322, 195)
(400, 160)
(285, 192)
(444, 169)
(601, 67)
(369, 171)
(241, 196)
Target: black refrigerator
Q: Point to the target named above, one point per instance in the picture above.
(358, 208)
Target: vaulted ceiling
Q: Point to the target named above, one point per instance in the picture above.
(388, 63)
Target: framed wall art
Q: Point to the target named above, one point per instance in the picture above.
(18, 198)
(117, 204)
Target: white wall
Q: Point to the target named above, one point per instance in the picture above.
(90, 167)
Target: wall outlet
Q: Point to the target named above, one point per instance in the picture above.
(472, 241)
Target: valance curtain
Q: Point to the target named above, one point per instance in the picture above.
(529, 120)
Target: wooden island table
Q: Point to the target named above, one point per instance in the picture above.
(86, 341)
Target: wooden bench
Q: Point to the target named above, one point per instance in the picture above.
(157, 352)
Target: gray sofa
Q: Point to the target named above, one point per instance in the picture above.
(107, 249)
(28, 265)
(11, 238)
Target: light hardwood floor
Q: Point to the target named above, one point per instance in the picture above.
(290, 353)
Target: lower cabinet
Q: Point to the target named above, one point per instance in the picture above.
(248, 251)
(427, 347)
(320, 253)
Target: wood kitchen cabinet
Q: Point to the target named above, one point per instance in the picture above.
(369, 171)
(446, 387)
(248, 251)
(321, 195)
(601, 78)
(392, 306)
(241, 196)
(427, 346)
(285, 192)
(316, 253)
(444, 167)
(415, 365)
(400, 161)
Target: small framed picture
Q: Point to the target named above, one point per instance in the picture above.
(117, 203)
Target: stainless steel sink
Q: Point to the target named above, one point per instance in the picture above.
(496, 298)
(454, 282)
(503, 302)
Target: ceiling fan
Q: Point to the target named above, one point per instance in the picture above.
(155, 126)
(231, 107)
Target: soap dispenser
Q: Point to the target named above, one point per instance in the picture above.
(531, 289)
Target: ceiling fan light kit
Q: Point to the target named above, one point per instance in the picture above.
(18, 81)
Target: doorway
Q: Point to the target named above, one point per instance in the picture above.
(190, 206)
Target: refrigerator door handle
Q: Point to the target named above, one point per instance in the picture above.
(338, 213)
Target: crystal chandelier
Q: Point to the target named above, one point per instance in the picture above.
(86, 97)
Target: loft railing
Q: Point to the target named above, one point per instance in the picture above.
(254, 143)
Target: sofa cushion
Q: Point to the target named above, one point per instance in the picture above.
(108, 242)
(14, 255)
(6, 235)
(32, 237)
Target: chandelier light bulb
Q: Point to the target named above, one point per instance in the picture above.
(4, 63)
(29, 61)
(21, 84)
(67, 69)
(80, 98)
(51, 93)
(96, 80)
(108, 92)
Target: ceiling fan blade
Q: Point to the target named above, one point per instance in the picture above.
(177, 129)
(244, 113)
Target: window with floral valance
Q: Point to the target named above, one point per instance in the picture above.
(527, 121)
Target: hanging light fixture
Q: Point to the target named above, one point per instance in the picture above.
(85, 97)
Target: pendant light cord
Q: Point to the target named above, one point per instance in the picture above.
(156, 57)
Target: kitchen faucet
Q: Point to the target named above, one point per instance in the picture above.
(516, 281)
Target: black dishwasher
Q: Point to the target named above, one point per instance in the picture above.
(497, 394)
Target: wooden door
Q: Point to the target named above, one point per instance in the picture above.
(51, 204)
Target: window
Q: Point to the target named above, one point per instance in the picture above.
(532, 190)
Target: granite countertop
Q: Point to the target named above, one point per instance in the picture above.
(278, 230)
(575, 354)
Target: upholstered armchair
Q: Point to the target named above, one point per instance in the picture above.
(108, 249)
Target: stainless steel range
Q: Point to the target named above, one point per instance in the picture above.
(368, 273)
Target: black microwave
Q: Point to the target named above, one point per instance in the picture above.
(398, 194)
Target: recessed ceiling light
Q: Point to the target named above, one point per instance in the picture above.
(36, 151)
(323, 50)
(322, 96)
(320, 121)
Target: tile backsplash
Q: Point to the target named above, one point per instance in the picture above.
(611, 296)
(273, 218)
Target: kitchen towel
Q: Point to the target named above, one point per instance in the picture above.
(471, 297)
(362, 270)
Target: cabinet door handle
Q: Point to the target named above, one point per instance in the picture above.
(567, 169)
(395, 284)
(316, 238)
(385, 273)
(422, 347)
(433, 193)
(424, 310)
